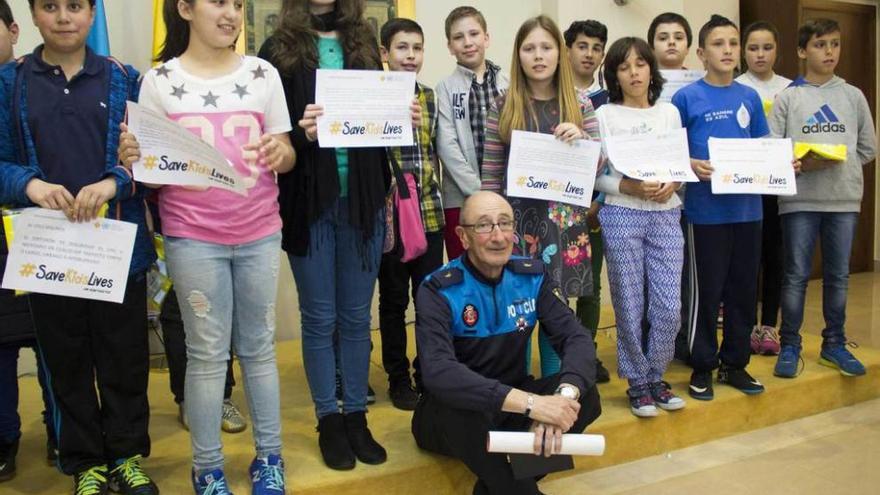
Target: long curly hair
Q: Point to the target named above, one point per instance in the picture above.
(294, 47)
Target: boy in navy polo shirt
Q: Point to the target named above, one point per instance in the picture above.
(60, 110)
(724, 231)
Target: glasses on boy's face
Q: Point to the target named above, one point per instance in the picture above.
(488, 227)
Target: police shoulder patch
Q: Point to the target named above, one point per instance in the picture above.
(526, 265)
(446, 278)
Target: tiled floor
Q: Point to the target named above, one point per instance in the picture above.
(831, 453)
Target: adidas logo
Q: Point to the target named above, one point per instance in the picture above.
(823, 121)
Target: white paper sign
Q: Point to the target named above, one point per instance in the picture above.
(52, 255)
(661, 157)
(364, 108)
(543, 167)
(516, 442)
(752, 166)
(172, 155)
(677, 79)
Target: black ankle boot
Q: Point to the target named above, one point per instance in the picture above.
(8, 451)
(333, 442)
(361, 440)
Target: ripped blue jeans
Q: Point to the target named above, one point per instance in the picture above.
(227, 297)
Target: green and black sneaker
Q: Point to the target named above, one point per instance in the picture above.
(92, 481)
(129, 479)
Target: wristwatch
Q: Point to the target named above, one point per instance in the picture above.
(530, 402)
(567, 391)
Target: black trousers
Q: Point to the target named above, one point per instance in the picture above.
(462, 434)
(771, 262)
(395, 280)
(726, 258)
(174, 340)
(96, 356)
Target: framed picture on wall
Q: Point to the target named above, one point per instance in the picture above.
(262, 17)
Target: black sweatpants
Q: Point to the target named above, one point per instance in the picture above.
(771, 262)
(462, 434)
(174, 340)
(97, 361)
(726, 259)
(395, 280)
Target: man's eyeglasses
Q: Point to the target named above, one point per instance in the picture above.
(488, 227)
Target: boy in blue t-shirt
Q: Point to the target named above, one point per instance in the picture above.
(724, 231)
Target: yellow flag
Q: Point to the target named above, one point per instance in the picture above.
(159, 31)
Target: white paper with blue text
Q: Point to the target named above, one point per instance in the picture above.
(543, 167)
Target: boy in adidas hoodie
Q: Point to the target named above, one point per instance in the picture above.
(821, 108)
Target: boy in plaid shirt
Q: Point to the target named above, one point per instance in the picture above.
(402, 48)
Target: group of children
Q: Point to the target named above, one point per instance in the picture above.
(674, 256)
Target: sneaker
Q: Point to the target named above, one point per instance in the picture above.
(128, 478)
(663, 397)
(210, 483)
(92, 481)
(837, 356)
(787, 362)
(403, 396)
(602, 375)
(181, 417)
(365, 447)
(8, 451)
(640, 402)
(769, 344)
(333, 442)
(51, 452)
(267, 475)
(739, 379)
(233, 421)
(700, 387)
(755, 339)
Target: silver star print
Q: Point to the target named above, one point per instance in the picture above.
(162, 71)
(241, 91)
(210, 99)
(178, 92)
(259, 72)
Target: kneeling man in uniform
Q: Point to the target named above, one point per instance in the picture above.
(474, 320)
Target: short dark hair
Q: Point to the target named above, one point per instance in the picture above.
(816, 27)
(589, 28)
(462, 12)
(670, 18)
(760, 26)
(399, 25)
(617, 54)
(6, 14)
(716, 21)
(31, 3)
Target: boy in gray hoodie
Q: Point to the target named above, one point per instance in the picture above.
(821, 108)
(463, 101)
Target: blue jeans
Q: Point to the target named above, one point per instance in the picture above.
(335, 284)
(799, 233)
(227, 296)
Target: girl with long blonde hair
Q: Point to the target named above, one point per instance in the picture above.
(542, 98)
